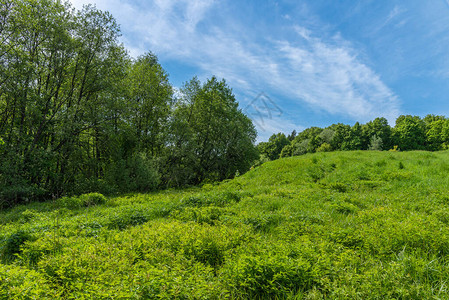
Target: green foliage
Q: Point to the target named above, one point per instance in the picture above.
(13, 245)
(208, 215)
(79, 115)
(334, 225)
(85, 200)
(268, 276)
(92, 199)
(410, 133)
(21, 283)
(379, 129)
(273, 148)
(325, 147)
(211, 138)
(376, 143)
(262, 159)
(135, 174)
(217, 199)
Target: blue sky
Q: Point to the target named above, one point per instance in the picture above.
(306, 63)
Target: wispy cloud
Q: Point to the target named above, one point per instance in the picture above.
(396, 18)
(306, 69)
(331, 77)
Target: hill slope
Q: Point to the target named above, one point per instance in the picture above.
(345, 225)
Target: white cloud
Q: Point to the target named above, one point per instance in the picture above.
(325, 74)
(333, 79)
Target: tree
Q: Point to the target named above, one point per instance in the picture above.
(375, 143)
(273, 148)
(341, 136)
(435, 135)
(327, 135)
(429, 119)
(78, 115)
(434, 132)
(287, 151)
(354, 139)
(292, 135)
(211, 139)
(378, 128)
(58, 69)
(150, 98)
(410, 133)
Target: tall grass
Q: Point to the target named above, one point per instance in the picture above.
(341, 225)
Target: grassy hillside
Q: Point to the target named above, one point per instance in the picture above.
(342, 225)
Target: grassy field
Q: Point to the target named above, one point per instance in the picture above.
(342, 225)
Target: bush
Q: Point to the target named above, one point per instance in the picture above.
(69, 202)
(35, 250)
(264, 222)
(325, 147)
(219, 199)
(128, 217)
(19, 283)
(344, 207)
(376, 143)
(135, 174)
(268, 276)
(262, 159)
(92, 199)
(85, 200)
(208, 215)
(339, 187)
(13, 244)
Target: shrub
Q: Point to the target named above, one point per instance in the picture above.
(395, 149)
(268, 276)
(69, 202)
(13, 244)
(28, 215)
(216, 199)
(325, 147)
(84, 200)
(344, 207)
(376, 143)
(35, 250)
(128, 217)
(209, 215)
(19, 283)
(264, 222)
(92, 199)
(262, 159)
(135, 174)
(339, 187)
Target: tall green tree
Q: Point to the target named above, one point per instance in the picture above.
(354, 140)
(377, 130)
(341, 136)
(273, 148)
(434, 134)
(211, 138)
(410, 133)
(55, 100)
(151, 99)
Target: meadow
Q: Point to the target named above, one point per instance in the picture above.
(338, 225)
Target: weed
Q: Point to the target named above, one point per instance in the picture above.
(337, 225)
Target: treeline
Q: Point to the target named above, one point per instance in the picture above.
(77, 114)
(409, 133)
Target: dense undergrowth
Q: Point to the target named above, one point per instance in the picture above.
(342, 225)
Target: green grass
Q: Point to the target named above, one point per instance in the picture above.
(340, 225)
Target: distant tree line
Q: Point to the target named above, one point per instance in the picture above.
(77, 114)
(409, 133)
